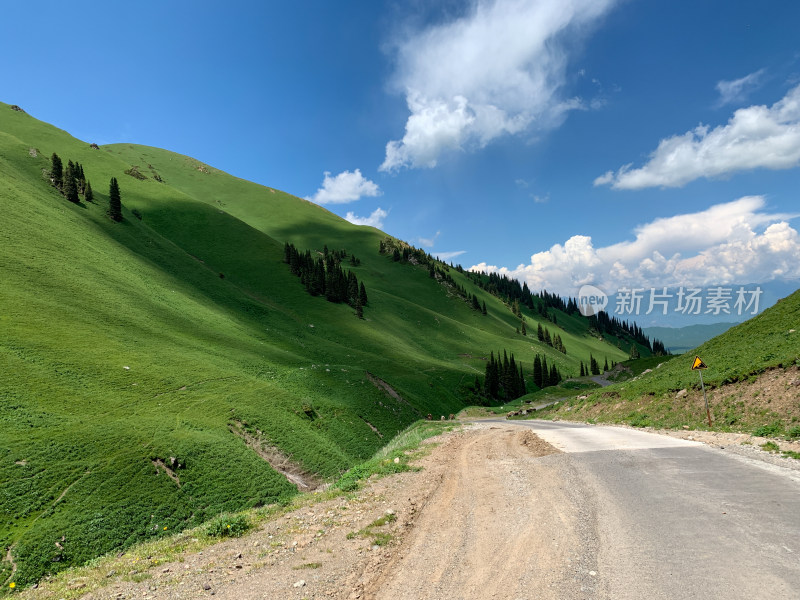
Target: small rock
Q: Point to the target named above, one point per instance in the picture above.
(686, 427)
(299, 584)
(592, 573)
(206, 586)
(684, 392)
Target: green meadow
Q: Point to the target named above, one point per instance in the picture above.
(647, 395)
(133, 354)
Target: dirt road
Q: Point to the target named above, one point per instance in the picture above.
(496, 527)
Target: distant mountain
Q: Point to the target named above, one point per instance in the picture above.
(682, 339)
(683, 306)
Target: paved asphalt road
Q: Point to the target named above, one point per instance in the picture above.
(680, 520)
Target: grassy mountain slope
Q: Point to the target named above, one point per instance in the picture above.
(735, 359)
(130, 352)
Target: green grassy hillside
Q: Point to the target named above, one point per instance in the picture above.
(132, 353)
(736, 360)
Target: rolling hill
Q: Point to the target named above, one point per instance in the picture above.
(752, 380)
(152, 371)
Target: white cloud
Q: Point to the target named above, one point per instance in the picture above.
(374, 220)
(429, 242)
(734, 242)
(343, 188)
(754, 137)
(737, 90)
(497, 71)
(445, 256)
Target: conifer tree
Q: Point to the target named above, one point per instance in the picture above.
(362, 294)
(583, 371)
(56, 171)
(524, 329)
(483, 309)
(540, 332)
(537, 371)
(114, 201)
(69, 186)
(545, 373)
(88, 194)
(359, 308)
(605, 365)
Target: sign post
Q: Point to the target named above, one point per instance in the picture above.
(698, 365)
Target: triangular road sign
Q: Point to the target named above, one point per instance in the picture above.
(698, 364)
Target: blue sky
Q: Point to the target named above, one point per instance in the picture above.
(618, 143)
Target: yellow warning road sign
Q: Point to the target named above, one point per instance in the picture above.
(698, 364)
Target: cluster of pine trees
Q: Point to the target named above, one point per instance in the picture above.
(403, 252)
(544, 375)
(593, 368)
(554, 341)
(70, 181)
(511, 291)
(504, 379)
(324, 276)
(602, 323)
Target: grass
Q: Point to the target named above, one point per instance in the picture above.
(738, 356)
(122, 347)
(378, 538)
(136, 561)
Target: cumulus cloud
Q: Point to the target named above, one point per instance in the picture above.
(738, 89)
(497, 71)
(733, 242)
(373, 220)
(343, 188)
(754, 137)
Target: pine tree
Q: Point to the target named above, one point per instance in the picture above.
(537, 371)
(540, 332)
(524, 329)
(56, 171)
(545, 373)
(359, 308)
(352, 289)
(69, 187)
(362, 294)
(88, 194)
(114, 201)
(492, 380)
(583, 372)
(605, 365)
(483, 309)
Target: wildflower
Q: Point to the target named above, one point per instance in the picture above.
(12, 585)
(229, 526)
(165, 528)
